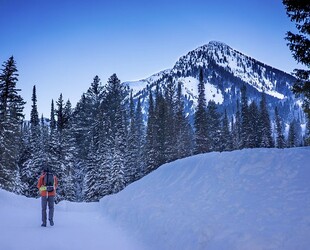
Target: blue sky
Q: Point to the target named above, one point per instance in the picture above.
(61, 45)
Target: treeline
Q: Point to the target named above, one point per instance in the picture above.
(104, 143)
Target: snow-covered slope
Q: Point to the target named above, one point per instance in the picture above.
(248, 199)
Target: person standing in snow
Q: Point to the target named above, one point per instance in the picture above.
(47, 185)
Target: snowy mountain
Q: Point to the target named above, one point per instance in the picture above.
(246, 199)
(225, 72)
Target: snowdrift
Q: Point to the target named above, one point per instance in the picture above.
(248, 199)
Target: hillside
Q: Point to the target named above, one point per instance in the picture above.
(225, 71)
(247, 199)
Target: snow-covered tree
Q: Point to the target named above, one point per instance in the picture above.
(280, 140)
(11, 120)
(202, 143)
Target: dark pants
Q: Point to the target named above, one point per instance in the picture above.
(50, 201)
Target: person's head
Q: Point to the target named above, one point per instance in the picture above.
(45, 169)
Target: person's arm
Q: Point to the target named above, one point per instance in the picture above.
(39, 182)
(56, 182)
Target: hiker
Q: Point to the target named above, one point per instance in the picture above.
(47, 185)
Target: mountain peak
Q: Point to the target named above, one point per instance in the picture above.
(217, 44)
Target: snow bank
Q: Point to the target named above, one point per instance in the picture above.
(248, 199)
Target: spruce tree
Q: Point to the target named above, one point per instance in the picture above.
(169, 122)
(226, 136)
(307, 134)
(299, 44)
(140, 138)
(32, 167)
(292, 135)
(184, 134)
(236, 128)
(150, 141)
(265, 133)
(254, 125)
(245, 120)
(280, 137)
(213, 126)
(11, 119)
(202, 143)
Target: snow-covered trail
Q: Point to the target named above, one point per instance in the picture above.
(78, 226)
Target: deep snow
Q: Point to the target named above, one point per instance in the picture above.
(247, 199)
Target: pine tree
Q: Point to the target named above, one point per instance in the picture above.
(202, 143)
(150, 150)
(140, 138)
(115, 108)
(169, 121)
(226, 137)
(184, 134)
(213, 126)
(254, 124)
(280, 137)
(307, 134)
(132, 144)
(292, 136)
(160, 131)
(32, 167)
(236, 128)
(11, 119)
(265, 133)
(299, 44)
(245, 120)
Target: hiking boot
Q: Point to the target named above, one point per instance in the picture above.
(43, 224)
(51, 222)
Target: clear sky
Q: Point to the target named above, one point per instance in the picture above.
(60, 45)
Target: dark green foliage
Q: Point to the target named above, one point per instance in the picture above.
(299, 44)
(202, 143)
(280, 140)
(264, 129)
(213, 127)
(11, 116)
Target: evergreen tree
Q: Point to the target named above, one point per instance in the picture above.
(132, 150)
(115, 108)
(184, 134)
(52, 119)
(226, 137)
(150, 150)
(307, 134)
(213, 126)
(254, 124)
(299, 44)
(280, 137)
(140, 138)
(202, 143)
(160, 131)
(265, 132)
(32, 167)
(292, 136)
(245, 120)
(11, 119)
(169, 121)
(236, 128)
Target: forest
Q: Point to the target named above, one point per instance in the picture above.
(104, 143)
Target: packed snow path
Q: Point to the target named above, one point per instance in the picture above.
(78, 226)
